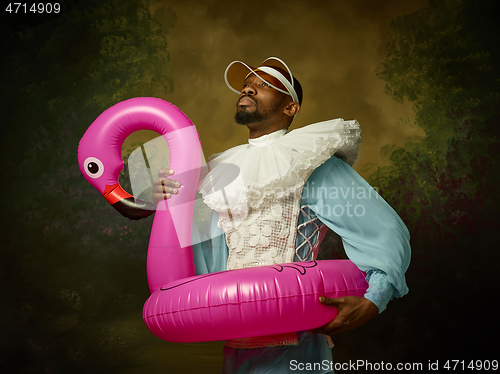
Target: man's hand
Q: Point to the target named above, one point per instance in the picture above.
(353, 312)
(163, 187)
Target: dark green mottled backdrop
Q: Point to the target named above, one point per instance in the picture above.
(72, 271)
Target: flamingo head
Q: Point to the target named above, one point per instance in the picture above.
(100, 159)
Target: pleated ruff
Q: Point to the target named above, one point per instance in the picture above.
(275, 165)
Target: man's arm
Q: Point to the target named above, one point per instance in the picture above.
(374, 238)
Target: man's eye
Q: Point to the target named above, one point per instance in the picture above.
(265, 84)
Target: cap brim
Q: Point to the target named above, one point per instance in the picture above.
(237, 71)
(235, 75)
(276, 62)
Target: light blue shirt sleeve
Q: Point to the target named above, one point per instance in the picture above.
(374, 236)
(211, 255)
(379, 291)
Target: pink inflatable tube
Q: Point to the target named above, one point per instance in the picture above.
(184, 307)
(251, 302)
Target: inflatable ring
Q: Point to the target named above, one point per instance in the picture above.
(185, 307)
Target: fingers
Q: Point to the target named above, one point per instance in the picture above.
(164, 174)
(353, 311)
(163, 180)
(335, 326)
(336, 303)
(164, 187)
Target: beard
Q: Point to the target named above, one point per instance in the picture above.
(244, 118)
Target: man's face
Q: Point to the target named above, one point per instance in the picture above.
(259, 101)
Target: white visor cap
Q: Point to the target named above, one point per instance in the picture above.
(238, 71)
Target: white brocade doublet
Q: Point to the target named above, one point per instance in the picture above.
(256, 188)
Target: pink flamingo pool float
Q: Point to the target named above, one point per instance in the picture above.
(183, 306)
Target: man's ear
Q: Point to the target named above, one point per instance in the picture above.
(292, 109)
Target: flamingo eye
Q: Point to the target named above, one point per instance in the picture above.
(93, 167)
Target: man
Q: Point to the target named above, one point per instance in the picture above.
(293, 189)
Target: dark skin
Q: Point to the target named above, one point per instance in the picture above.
(279, 110)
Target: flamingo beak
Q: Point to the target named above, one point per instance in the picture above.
(126, 204)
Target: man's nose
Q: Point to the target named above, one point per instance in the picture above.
(249, 90)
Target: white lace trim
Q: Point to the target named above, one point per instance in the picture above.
(276, 165)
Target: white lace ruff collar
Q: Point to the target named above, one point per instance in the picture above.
(275, 165)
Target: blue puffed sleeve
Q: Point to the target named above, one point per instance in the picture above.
(374, 236)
